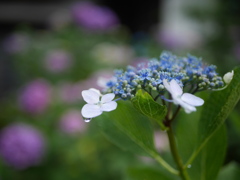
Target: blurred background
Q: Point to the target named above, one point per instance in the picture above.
(51, 50)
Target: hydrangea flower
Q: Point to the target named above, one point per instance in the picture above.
(21, 146)
(68, 92)
(227, 78)
(168, 74)
(16, 43)
(93, 17)
(72, 122)
(57, 61)
(161, 141)
(35, 97)
(186, 100)
(189, 72)
(181, 37)
(97, 103)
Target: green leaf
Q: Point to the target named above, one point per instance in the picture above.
(230, 171)
(217, 108)
(145, 104)
(128, 129)
(148, 173)
(131, 131)
(212, 156)
(207, 164)
(235, 123)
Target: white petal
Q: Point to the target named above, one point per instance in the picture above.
(228, 77)
(96, 90)
(90, 96)
(107, 97)
(187, 107)
(175, 88)
(166, 85)
(110, 106)
(192, 99)
(90, 111)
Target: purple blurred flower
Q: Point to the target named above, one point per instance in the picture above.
(93, 17)
(21, 146)
(72, 122)
(16, 43)
(35, 96)
(58, 61)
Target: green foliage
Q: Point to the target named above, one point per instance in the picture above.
(212, 156)
(147, 173)
(207, 136)
(218, 107)
(145, 104)
(131, 131)
(230, 171)
(128, 129)
(209, 161)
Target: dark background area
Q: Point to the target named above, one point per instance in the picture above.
(136, 15)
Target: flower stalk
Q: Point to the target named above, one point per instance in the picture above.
(182, 171)
(173, 146)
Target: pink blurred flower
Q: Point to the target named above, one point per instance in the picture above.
(98, 80)
(161, 141)
(35, 96)
(70, 92)
(140, 62)
(21, 146)
(161, 145)
(178, 38)
(94, 17)
(16, 43)
(58, 61)
(72, 122)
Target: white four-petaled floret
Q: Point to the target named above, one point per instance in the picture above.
(186, 100)
(97, 103)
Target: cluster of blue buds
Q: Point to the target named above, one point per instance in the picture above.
(189, 72)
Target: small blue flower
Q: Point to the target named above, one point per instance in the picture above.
(145, 74)
(187, 71)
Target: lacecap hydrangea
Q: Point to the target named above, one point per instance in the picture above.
(190, 72)
(170, 78)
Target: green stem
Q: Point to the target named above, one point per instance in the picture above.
(182, 171)
(175, 114)
(164, 163)
(169, 110)
(155, 99)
